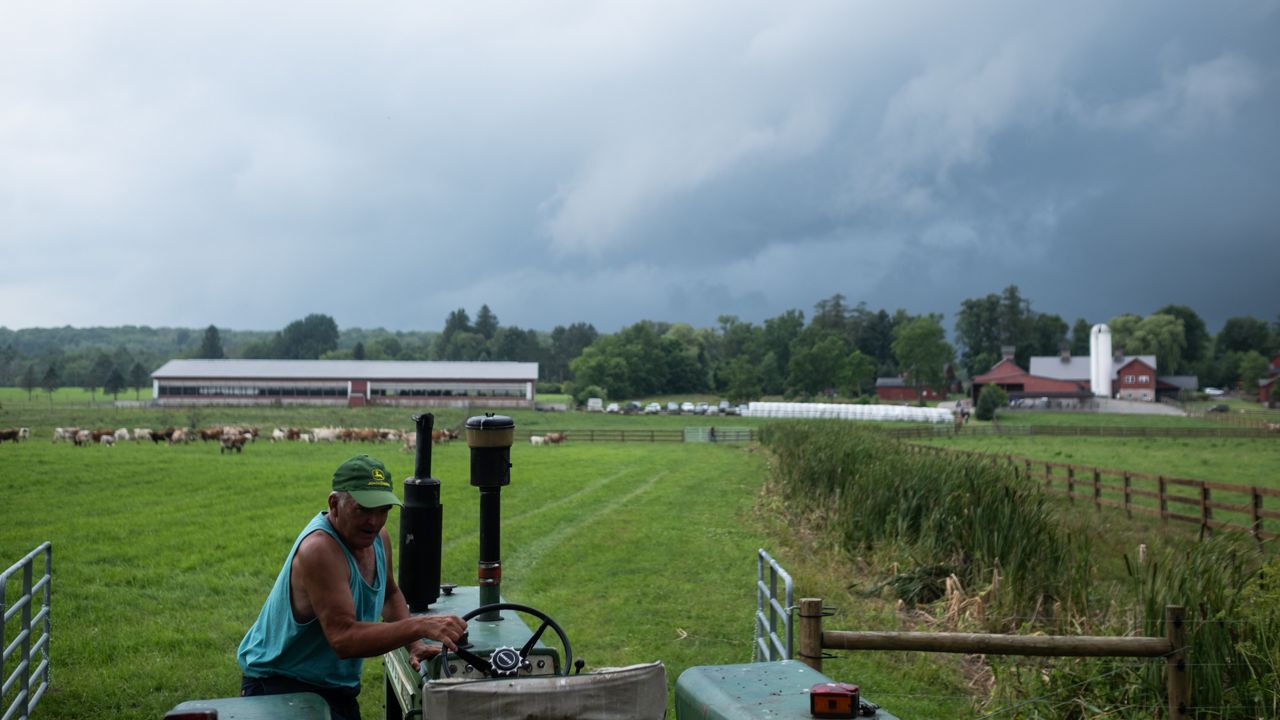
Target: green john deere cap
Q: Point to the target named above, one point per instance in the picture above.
(368, 481)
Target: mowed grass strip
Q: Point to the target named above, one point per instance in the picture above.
(163, 555)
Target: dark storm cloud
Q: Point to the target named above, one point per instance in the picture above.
(562, 162)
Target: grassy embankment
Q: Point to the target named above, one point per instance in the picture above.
(924, 525)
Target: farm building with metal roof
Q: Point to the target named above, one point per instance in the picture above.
(345, 382)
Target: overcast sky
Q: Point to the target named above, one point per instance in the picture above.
(245, 164)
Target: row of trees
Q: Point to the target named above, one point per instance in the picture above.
(1175, 334)
(840, 350)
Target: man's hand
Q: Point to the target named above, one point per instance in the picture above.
(445, 628)
(420, 652)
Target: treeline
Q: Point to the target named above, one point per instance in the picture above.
(839, 351)
(1236, 357)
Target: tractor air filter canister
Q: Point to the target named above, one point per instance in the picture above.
(421, 523)
(489, 437)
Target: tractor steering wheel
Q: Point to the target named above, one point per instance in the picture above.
(508, 661)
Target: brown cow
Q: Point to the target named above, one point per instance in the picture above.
(442, 436)
(9, 434)
(232, 442)
(557, 437)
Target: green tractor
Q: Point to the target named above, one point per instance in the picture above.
(516, 661)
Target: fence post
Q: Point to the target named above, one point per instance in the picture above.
(1071, 482)
(1256, 513)
(1164, 501)
(1097, 490)
(1206, 512)
(1179, 684)
(811, 632)
(1048, 475)
(1128, 494)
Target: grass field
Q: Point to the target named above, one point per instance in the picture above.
(163, 555)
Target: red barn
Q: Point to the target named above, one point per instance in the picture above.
(896, 389)
(1135, 380)
(1018, 383)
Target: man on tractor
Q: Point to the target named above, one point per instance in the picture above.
(320, 619)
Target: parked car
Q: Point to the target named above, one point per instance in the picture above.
(686, 407)
(595, 405)
(652, 408)
(1213, 391)
(712, 410)
(724, 405)
(673, 408)
(1219, 408)
(613, 408)
(700, 409)
(631, 407)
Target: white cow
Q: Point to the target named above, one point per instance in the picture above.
(108, 440)
(68, 434)
(82, 437)
(122, 434)
(537, 440)
(24, 433)
(278, 435)
(327, 434)
(140, 434)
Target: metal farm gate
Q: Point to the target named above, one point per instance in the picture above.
(31, 634)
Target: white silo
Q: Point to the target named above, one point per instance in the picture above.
(1100, 360)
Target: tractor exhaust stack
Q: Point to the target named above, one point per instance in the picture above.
(489, 437)
(421, 522)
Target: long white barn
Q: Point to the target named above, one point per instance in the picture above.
(345, 382)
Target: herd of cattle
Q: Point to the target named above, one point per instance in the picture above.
(232, 438)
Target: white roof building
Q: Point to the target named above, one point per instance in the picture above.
(345, 382)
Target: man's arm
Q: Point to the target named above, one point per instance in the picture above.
(321, 575)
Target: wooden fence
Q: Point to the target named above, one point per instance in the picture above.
(699, 434)
(1172, 647)
(1252, 431)
(1211, 505)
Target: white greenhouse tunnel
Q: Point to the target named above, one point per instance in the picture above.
(840, 411)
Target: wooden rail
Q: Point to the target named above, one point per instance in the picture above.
(1172, 647)
(1252, 431)
(727, 435)
(1169, 498)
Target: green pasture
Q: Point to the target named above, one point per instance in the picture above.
(163, 555)
(1243, 461)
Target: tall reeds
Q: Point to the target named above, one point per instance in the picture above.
(966, 517)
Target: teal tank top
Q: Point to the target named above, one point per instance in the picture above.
(279, 645)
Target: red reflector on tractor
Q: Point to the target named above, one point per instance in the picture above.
(833, 700)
